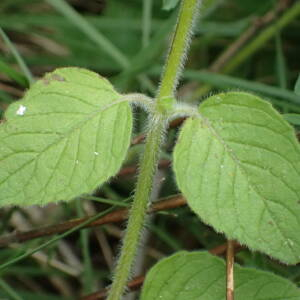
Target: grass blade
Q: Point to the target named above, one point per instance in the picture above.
(90, 31)
(17, 56)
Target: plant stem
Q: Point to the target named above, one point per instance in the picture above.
(157, 126)
(55, 239)
(229, 270)
(177, 54)
(139, 207)
(116, 216)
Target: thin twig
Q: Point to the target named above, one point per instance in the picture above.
(229, 270)
(113, 217)
(257, 25)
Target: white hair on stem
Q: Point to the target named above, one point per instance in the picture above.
(187, 42)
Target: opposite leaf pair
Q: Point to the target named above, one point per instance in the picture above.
(237, 162)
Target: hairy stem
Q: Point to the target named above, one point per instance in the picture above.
(139, 207)
(163, 108)
(177, 54)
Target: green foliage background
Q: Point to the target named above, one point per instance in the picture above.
(121, 40)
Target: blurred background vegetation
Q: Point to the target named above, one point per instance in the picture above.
(249, 45)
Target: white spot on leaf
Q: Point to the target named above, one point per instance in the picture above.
(96, 153)
(21, 110)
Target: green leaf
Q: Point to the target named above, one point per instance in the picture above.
(67, 136)
(200, 275)
(238, 165)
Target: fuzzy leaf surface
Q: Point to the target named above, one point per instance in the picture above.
(68, 135)
(238, 165)
(202, 276)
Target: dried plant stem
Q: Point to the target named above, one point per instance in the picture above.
(229, 270)
(257, 25)
(113, 217)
